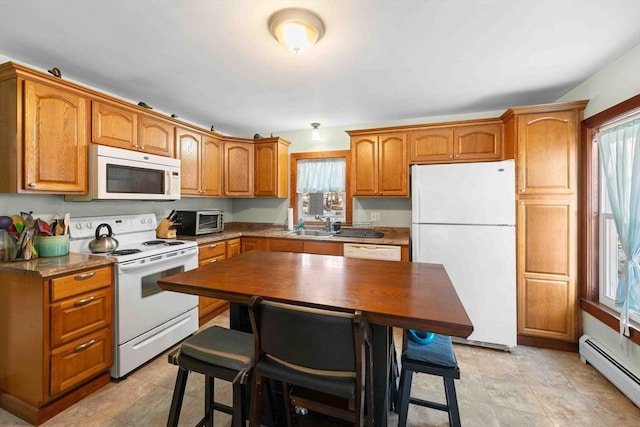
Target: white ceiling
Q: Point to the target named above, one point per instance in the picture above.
(213, 62)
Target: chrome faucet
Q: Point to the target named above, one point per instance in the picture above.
(326, 222)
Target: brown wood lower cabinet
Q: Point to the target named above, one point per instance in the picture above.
(56, 340)
(547, 294)
(208, 253)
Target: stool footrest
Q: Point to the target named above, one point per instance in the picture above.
(433, 405)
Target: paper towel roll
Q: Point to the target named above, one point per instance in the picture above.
(290, 218)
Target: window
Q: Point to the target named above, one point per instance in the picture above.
(611, 254)
(320, 186)
(599, 254)
(619, 182)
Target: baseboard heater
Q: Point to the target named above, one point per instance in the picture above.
(601, 358)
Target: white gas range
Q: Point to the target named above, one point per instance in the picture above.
(147, 319)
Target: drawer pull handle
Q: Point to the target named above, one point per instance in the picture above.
(212, 261)
(85, 276)
(85, 301)
(213, 245)
(84, 346)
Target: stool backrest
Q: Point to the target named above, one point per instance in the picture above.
(308, 337)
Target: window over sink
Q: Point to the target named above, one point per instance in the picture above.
(320, 186)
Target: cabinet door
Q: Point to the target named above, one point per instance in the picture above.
(188, 151)
(393, 171)
(266, 170)
(546, 152)
(286, 245)
(364, 170)
(482, 142)
(323, 248)
(233, 248)
(431, 145)
(254, 243)
(55, 138)
(114, 126)
(238, 169)
(546, 265)
(211, 166)
(155, 136)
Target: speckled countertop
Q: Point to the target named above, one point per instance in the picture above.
(392, 235)
(48, 267)
(54, 266)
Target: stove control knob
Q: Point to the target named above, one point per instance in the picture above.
(79, 226)
(88, 225)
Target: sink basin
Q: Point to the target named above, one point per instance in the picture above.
(309, 233)
(364, 234)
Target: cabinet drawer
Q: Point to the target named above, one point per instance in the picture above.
(78, 316)
(211, 250)
(80, 360)
(202, 262)
(79, 283)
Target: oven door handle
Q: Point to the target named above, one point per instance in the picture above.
(138, 265)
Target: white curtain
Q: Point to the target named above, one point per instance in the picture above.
(620, 157)
(321, 175)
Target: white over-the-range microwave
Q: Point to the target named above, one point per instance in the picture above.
(118, 174)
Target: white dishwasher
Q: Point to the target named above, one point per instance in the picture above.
(380, 252)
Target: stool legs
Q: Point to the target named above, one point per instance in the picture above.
(404, 395)
(405, 398)
(452, 402)
(178, 395)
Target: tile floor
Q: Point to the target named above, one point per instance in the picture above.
(527, 387)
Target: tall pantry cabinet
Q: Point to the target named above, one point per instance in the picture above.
(545, 139)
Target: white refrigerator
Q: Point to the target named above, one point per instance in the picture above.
(463, 216)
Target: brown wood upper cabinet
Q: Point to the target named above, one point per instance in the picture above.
(238, 168)
(44, 129)
(456, 143)
(200, 163)
(379, 167)
(123, 127)
(271, 177)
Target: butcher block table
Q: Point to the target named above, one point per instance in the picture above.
(390, 294)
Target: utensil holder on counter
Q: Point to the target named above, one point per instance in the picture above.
(51, 246)
(165, 230)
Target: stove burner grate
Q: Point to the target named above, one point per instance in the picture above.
(125, 252)
(154, 242)
(174, 243)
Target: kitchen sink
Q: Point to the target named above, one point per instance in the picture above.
(309, 233)
(364, 234)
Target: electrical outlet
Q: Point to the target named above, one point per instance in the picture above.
(375, 216)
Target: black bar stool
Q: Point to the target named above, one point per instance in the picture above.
(434, 358)
(215, 352)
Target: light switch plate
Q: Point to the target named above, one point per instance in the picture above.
(375, 216)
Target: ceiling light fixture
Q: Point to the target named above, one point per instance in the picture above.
(296, 29)
(315, 134)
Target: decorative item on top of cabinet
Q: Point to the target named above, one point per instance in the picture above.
(200, 163)
(238, 168)
(461, 142)
(67, 349)
(545, 142)
(44, 129)
(271, 177)
(380, 165)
